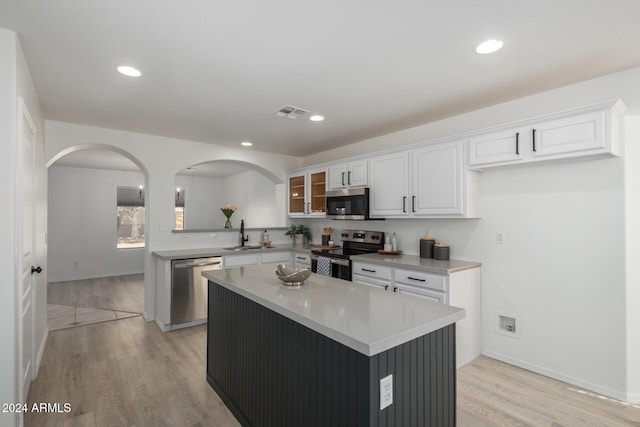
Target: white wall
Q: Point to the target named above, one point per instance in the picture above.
(203, 198)
(82, 224)
(566, 270)
(160, 159)
(255, 197)
(254, 194)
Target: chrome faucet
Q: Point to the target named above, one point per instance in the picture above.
(243, 238)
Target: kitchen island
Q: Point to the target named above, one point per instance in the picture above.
(315, 354)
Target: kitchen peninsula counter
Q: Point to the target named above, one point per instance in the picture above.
(219, 251)
(315, 354)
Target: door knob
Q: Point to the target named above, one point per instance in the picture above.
(36, 269)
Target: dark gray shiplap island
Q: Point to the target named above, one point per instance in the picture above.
(315, 355)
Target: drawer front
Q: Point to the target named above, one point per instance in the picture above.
(371, 270)
(276, 257)
(302, 260)
(240, 260)
(435, 296)
(421, 279)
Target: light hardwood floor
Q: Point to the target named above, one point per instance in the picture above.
(128, 373)
(82, 302)
(119, 293)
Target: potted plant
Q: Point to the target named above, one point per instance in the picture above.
(299, 232)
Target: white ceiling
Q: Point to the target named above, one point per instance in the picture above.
(216, 71)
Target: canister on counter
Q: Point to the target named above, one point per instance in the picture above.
(441, 251)
(426, 247)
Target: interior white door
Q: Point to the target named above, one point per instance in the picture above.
(26, 216)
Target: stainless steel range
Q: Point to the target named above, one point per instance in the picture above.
(337, 262)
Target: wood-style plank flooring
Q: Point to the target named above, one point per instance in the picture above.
(82, 302)
(119, 293)
(129, 373)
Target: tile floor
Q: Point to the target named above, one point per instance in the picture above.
(69, 316)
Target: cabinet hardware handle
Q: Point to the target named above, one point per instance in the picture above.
(386, 287)
(413, 203)
(300, 257)
(342, 178)
(36, 269)
(395, 289)
(366, 269)
(533, 134)
(518, 143)
(404, 204)
(415, 278)
(349, 177)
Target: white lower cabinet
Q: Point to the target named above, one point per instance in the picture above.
(460, 289)
(301, 260)
(255, 259)
(239, 260)
(435, 296)
(275, 258)
(375, 275)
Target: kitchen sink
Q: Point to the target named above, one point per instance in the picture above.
(244, 248)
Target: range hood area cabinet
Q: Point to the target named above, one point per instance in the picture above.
(589, 131)
(348, 175)
(431, 181)
(307, 194)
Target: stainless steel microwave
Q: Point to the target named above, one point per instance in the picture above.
(350, 203)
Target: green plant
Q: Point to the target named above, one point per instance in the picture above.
(299, 229)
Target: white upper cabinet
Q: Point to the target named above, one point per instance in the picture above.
(346, 175)
(437, 180)
(389, 184)
(590, 131)
(584, 132)
(496, 147)
(431, 181)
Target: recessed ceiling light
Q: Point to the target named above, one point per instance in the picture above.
(489, 46)
(129, 71)
(316, 118)
(246, 143)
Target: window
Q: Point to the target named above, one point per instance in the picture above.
(130, 217)
(180, 196)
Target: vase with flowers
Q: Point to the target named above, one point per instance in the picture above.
(228, 210)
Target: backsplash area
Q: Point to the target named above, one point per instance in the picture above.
(457, 233)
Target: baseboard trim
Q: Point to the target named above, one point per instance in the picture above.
(595, 388)
(43, 343)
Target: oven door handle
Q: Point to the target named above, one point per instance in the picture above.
(337, 261)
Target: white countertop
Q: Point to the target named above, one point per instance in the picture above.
(366, 319)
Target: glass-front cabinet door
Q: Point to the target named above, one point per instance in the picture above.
(297, 203)
(307, 193)
(318, 197)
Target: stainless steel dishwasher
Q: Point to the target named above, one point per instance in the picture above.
(189, 288)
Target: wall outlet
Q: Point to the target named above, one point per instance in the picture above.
(184, 237)
(386, 391)
(501, 238)
(213, 236)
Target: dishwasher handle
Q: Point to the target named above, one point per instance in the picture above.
(196, 264)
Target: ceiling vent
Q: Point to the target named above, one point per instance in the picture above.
(291, 112)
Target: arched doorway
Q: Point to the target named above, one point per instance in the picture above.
(96, 254)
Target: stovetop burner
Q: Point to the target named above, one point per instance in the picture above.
(355, 242)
